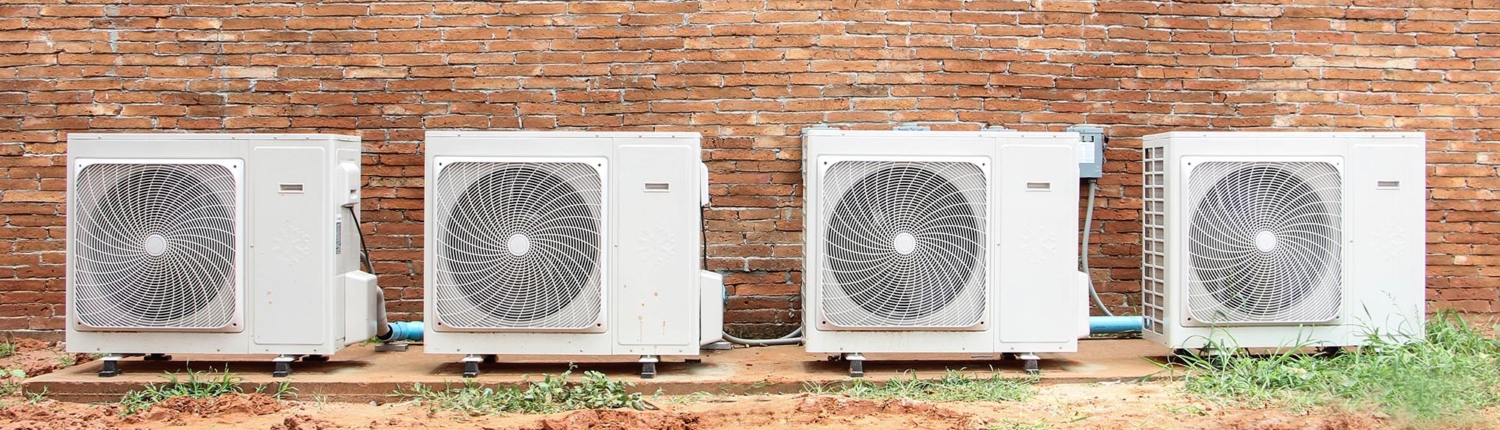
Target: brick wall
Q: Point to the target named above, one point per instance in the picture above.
(749, 74)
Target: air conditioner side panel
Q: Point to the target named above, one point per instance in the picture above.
(1386, 269)
(656, 234)
(291, 246)
(1037, 191)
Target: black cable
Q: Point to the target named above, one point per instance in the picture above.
(364, 253)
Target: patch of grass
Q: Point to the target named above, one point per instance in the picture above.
(66, 359)
(10, 381)
(548, 395)
(953, 386)
(683, 399)
(1443, 378)
(7, 349)
(37, 397)
(198, 385)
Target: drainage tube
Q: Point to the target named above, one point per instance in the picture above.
(387, 331)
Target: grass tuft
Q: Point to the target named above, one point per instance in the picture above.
(7, 349)
(1447, 377)
(198, 385)
(548, 395)
(953, 386)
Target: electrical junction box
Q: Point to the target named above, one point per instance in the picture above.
(1090, 150)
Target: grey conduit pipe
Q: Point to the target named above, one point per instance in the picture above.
(793, 338)
(1088, 226)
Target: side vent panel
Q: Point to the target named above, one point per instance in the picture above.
(1154, 264)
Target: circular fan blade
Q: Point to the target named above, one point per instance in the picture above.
(155, 246)
(904, 244)
(519, 245)
(1265, 243)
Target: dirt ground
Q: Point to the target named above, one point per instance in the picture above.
(1149, 405)
(39, 358)
(1073, 406)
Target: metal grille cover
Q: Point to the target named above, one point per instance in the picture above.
(155, 246)
(1264, 243)
(518, 245)
(1154, 241)
(904, 244)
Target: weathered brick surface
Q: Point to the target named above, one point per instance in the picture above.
(749, 74)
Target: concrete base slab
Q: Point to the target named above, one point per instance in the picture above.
(360, 374)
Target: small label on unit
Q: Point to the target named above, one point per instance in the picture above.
(338, 234)
(1085, 152)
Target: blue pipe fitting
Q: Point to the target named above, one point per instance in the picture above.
(404, 330)
(1117, 324)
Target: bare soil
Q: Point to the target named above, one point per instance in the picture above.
(1151, 405)
(39, 358)
(1073, 406)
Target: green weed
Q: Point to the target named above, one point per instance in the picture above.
(548, 395)
(7, 349)
(1445, 377)
(198, 385)
(10, 381)
(952, 386)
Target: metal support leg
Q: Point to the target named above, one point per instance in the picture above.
(111, 365)
(471, 365)
(283, 365)
(1033, 364)
(856, 364)
(648, 366)
(157, 357)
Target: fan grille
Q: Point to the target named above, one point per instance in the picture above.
(904, 244)
(518, 245)
(154, 246)
(1265, 244)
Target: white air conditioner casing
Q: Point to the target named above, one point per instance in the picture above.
(215, 244)
(1281, 239)
(940, 242)
(566, 243)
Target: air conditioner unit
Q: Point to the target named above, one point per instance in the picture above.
(1283, 239)
(567, 243)
(215, 244)
(941, 242)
